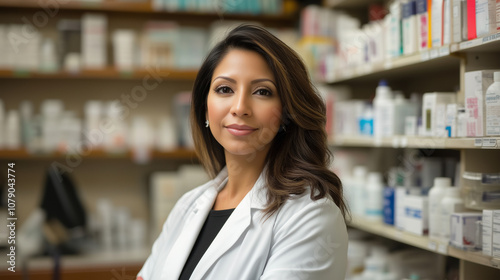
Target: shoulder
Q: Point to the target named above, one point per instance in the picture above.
(302, 210)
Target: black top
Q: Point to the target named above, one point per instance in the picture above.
(211, 227)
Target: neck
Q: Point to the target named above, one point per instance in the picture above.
(243, 172)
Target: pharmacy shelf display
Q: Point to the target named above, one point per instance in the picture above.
(108, 73)
(423, 242)
(179, 154)
(145, 7)
(440, 69)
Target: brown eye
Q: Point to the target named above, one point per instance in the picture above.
(263, 92)
(224, 89)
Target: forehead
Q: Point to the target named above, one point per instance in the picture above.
(243, 63)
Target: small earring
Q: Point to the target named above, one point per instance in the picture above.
(283, 128)
(206, 123)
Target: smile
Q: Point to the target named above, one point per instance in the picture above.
(240, 130)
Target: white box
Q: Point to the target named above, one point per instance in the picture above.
(487, 232)
(416, 214)
(485, 17)
(94, 44)
(434, 112)
(399, 201)
(476, 84)
(463, 230)
(496, 234)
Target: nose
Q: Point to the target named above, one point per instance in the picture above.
(241, 104)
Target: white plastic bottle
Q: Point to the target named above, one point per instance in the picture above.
(492, 100)
(451, 203)
(374, 197)
(358, 189)
(383, 107)
(436, 195)
(12, 130)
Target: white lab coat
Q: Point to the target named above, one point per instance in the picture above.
(305, 239)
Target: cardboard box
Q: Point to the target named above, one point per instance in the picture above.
(476, 84)
(434, 112)
(463, 230)
(416, 214)
(487, 232)
(496, 234)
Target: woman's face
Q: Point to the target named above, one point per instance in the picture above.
(243, 105)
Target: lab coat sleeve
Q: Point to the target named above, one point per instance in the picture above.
(176, 213)
(310, 244)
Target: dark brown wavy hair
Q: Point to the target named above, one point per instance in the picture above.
(299, 156)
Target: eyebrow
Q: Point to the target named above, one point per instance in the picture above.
(252, 82)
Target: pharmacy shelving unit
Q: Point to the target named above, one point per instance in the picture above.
(97, 166)
(437, 69)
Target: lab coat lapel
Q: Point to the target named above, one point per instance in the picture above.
(194, 222)
(234, 228)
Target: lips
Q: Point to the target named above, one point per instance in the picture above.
(240, 130)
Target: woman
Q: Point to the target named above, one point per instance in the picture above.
(273, 210)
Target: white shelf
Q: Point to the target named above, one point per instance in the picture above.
(423, 242)
(417, 142)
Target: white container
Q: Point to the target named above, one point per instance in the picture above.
(374, 197)
(437, 23)
(48, 56)
(403, 108)
(434, 112)
(92, 131)
(395, 29)
(115, 140)
(124, 49)
(463, 230)
(422, 25)
(485, 17)
(476, 83)
(487, 232)
(383, 107)
(409, 28)
(52, 110)
(358, 189)
(451, 203)
(416, 214)
(496, 235)
(461, 122)
(458, 20)
(492, 104)
(13, 131)
(451, 120)
(94, 44)
(436, 195)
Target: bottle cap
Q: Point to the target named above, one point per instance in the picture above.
(382, 82)
(442, 182)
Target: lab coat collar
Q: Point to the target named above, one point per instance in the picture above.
(232, 230)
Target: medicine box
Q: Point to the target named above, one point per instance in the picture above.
(434, 112)
(496, 234)
(416, 214)
(463, 230)
(476, 84)
(487, 232)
